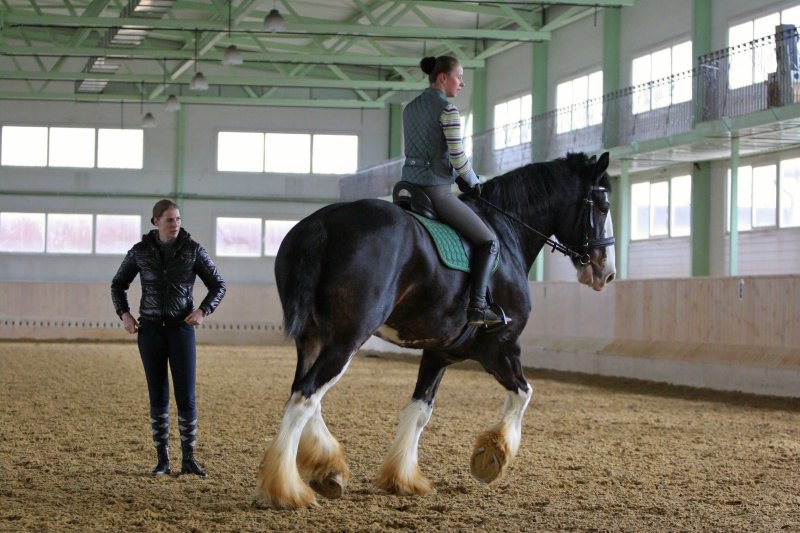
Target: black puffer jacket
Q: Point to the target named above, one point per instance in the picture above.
(167, 286)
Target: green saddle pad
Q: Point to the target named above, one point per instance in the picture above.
(448, 244)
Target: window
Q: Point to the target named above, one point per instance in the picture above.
(790, 193)
(238, 237)
(661, 208)
(334, 154)
(22, 232)
(34, 146)
(69, 234)
(240, 151)
(750, 62)
(116, 234)
(71, 147)
(757, 198)
(24, 146)
(580, 102)
(656, 81)
(120, 148)
(274, 232)
(512, 122)
(467, 136)
(680, 201)
(286, 153)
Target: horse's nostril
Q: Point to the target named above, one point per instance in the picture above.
(610, 278)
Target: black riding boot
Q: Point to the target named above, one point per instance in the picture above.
(479, 313)
(160, 428)
(188, 429)
(163, 467)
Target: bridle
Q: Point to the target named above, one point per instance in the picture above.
(592, 238)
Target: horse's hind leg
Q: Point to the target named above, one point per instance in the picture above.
(320, 458)
(496, 447)
(280, 484)
(400, 472)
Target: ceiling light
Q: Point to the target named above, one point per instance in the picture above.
(274, 21)
(199, 82)
(148, 121)
(232, 56)
(172, 103)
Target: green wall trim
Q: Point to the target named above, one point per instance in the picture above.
(395, 130)
(539, 94)
(701, 219)
(621, 207)
(701, 29)
(611, 75)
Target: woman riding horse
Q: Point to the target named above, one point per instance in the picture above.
(356, 269)
(434, 157)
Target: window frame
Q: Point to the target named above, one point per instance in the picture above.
(669, 180)
(645, 88)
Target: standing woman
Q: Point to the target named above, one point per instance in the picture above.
(168, 261)
(435, 159)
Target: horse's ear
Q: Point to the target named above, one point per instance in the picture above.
(601, 165)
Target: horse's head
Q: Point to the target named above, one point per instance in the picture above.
(592, 235)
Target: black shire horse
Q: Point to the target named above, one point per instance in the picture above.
(351, 270)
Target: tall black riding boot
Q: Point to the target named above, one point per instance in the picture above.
(188, 427)
(479, 313)
(160, 428)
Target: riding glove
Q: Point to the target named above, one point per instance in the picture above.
(472, 192)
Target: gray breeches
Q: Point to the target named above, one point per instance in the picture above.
(456, 213)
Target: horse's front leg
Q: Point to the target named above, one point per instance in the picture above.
(400, 473)
(497, 446)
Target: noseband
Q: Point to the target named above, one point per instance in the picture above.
(593, 239)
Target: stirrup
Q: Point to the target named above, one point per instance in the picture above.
(491, 317)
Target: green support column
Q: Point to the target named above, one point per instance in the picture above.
(180, 154)
(478, 110)
(701, 219)
(538, 147)
(539, 99)
(611, 81)
(733, 208)
(478, 101)
(395, 130)
(701, 29)
(621, 207)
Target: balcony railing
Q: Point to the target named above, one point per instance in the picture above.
(732, 82)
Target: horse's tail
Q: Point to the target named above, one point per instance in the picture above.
(297, 272)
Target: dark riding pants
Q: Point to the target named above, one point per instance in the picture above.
(457, 214)
(173, 345)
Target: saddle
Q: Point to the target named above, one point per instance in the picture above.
(412, 198)
(453, 249)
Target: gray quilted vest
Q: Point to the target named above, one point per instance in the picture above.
(427, 156)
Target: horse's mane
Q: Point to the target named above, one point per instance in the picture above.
(534, 187)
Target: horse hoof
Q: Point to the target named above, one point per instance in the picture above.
(331, 487)
(486, 465)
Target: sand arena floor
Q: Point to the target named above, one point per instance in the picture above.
(596, 454)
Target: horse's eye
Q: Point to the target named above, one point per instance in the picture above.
(603, 207)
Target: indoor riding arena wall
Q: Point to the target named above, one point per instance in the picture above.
(734, 334)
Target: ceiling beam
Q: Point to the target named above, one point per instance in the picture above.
(222, 80)
(188, 99)
(303, 28)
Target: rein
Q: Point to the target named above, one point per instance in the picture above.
(589, 243)
(583, 258)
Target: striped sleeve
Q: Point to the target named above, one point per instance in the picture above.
(450, 120)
